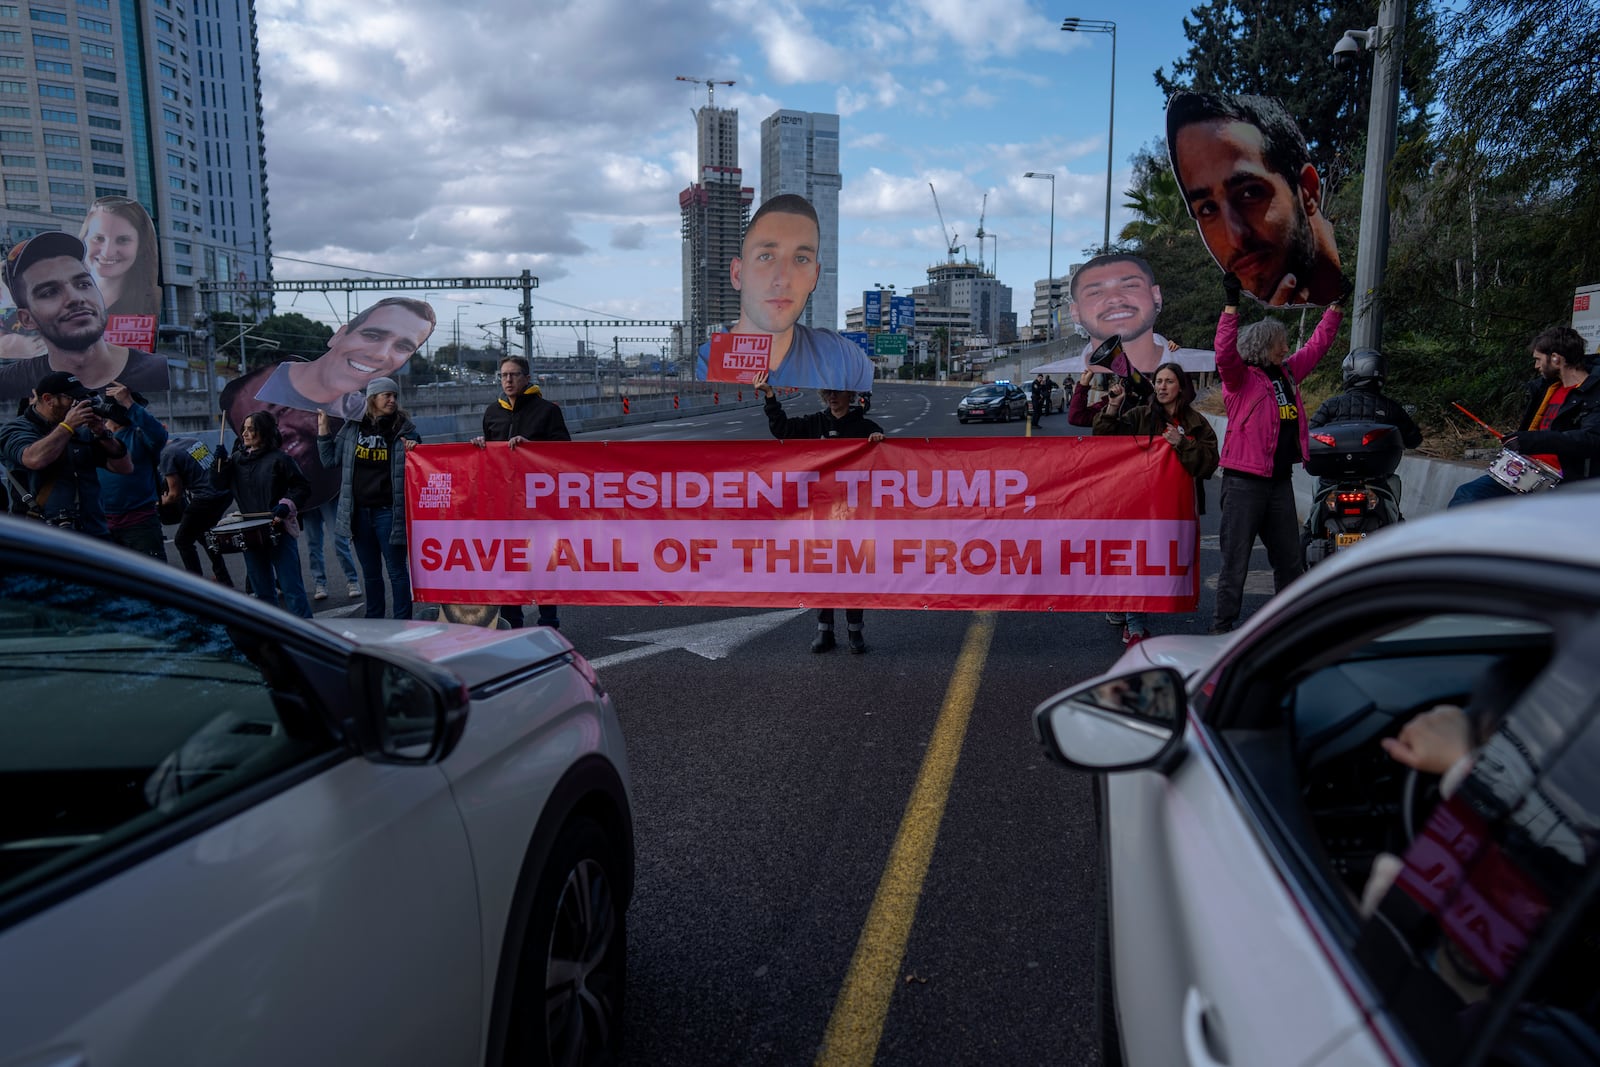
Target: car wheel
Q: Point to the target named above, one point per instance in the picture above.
(572, 972)
(962, 419)
(1005, 413)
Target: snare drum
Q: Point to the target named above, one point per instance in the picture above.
(1523, 474)
(236, 535)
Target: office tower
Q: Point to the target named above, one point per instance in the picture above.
(715, 210)
(157, 100)
(800, 154)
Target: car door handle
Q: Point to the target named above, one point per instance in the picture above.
(1201, 1045)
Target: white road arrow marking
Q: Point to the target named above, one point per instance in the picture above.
(712, 640)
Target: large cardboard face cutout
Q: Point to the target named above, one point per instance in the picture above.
(1244, 171)
(375, 344)
(123, 255)
(775, 274)
(60, 321)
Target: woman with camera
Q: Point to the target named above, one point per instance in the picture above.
(268, 483)
(370, 455)
(1169, 414)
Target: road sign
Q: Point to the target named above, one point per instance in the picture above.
(891, 344)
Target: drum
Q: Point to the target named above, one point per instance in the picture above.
(1523, 474)
(236, 535)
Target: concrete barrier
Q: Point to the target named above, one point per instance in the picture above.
(1426, 483)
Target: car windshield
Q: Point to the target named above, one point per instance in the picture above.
(987, 392)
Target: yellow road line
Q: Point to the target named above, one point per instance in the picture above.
(857, 1023)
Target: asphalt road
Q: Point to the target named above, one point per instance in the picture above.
(771, 788)
(854, 859)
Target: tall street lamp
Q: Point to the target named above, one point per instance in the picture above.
(1050, 327)
(1102, 26)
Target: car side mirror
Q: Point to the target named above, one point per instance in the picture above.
(407, 712)
(1130, 722)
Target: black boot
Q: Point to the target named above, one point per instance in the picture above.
(858, 643)
(823, 642)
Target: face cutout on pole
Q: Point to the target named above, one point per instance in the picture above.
(1243, 169)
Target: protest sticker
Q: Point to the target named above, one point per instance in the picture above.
(738, 357)
(955, 524)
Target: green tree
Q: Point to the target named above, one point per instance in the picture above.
(1160, 212)
(1280, 48)
(1494, 215)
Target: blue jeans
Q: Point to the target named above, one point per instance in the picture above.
(314, 521)
(1484, 488)
(369, 531)
(271, 569)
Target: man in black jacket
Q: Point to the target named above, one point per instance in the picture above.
(520, 416)
(838, 420)
(1561, 423)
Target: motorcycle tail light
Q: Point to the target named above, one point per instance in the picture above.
(1323, 438)
(1376, 435)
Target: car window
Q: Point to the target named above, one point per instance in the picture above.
(1463, 893)
(122, 715)
(1487, 939)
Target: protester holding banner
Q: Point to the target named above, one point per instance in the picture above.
(838, 419)
(1267, 437)
(267, 482)
(122, 255)
(56, 295)
(775, 273)
(1171, 416)
(370, 456)
(519, 416)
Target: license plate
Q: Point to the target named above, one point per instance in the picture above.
(1346, 540)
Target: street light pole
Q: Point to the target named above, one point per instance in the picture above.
(1372, 247)
(1103, 26)
(1050, 327)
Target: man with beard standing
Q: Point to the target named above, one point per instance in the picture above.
(57, 296)
(1246, 174)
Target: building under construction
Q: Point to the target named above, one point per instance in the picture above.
(715, 210)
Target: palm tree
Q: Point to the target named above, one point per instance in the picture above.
(1163, 212)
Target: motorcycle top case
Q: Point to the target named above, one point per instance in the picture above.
(1354, 450)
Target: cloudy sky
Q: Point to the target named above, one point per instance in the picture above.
(485, 137)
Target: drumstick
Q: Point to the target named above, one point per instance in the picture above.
(1498, 436)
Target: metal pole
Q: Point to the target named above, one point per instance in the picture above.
(1052, 325)
(1372, 248)
(1111, 128)
(527, 317)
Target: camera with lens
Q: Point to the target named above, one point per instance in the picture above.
(106, 408)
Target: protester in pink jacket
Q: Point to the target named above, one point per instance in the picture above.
(1266, 438)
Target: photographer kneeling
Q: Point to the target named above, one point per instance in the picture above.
(54, 449)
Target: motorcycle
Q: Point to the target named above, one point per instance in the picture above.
(1357, 491)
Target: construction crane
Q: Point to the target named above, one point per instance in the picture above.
(711, 87)
(982, 212)
(949, 238)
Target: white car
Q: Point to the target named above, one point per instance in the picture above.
(230, 836)
(1278, 890)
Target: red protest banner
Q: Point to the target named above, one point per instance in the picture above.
(738, 357)
(1057, 524)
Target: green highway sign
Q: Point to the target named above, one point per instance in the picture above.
(890, 344)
